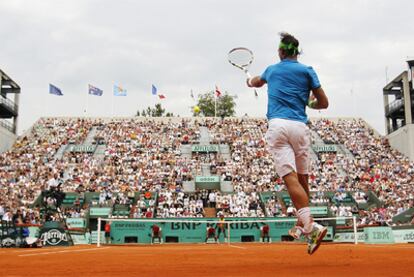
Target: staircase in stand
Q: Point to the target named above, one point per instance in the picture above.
(210, 212)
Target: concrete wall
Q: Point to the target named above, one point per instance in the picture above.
(403, 140)
(7, 139)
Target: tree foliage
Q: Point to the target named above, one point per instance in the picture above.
(225, 105)
(157, 111)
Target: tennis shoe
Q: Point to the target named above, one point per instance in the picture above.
(315, 238)
(296, 232)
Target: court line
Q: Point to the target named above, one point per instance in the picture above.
(63, 251)
(390, 246)
(235, 246)
(40, 249)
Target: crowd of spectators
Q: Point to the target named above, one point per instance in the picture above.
(180, 204)
(144, 156)
(375, 166)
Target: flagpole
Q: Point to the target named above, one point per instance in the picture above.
(86, 106)
(215, 104)
(112, 104)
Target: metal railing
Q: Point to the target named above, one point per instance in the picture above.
(7, 125)
(8, 103)
(394, 106)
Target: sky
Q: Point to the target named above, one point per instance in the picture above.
(182, 45)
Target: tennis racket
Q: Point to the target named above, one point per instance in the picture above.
(242, 58)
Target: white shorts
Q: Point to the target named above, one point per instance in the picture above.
(288, 141)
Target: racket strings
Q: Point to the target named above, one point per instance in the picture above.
(241, 57)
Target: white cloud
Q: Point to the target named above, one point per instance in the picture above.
(182, 45)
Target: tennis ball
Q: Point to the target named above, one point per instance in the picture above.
(196, 109)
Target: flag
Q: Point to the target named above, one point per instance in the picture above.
(119, 91)
(161, 96)
(55, 90)
(95, 91)
(218, 92)
(154, 90)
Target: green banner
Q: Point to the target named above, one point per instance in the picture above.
(195, 232)
(76, 222)
(81, 239)
(82, 148)
(207, 179)
(403, 236)
(349, 237)
(319, 210)
(324, 148)
(378, 235)
(99, 212)
(205, 148)
(94, 237)
(207, 182)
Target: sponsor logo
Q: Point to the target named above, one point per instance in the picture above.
(233, 226)
(205, 148)
(8, 242)
(409, 236)
(132, 225)
(53, 237)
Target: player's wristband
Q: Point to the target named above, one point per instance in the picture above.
(312, 103)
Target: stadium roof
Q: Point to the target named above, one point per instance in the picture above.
(395, 86)
(7, 84)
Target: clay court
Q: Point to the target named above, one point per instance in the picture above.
(283, 259)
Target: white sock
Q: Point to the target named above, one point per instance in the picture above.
(306, 218)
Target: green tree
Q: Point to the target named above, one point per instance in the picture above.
(149, 111)
(225, 105)
(157, 111)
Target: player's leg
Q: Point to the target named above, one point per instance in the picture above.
(303, 180)
(300, 141)
(297, 230)
(277, 138)
(289, 142)
(300, 200)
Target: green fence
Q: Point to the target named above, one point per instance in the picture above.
(194, 231)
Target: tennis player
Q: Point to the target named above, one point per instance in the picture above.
(290, 84)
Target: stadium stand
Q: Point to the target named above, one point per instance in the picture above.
(145, 168)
